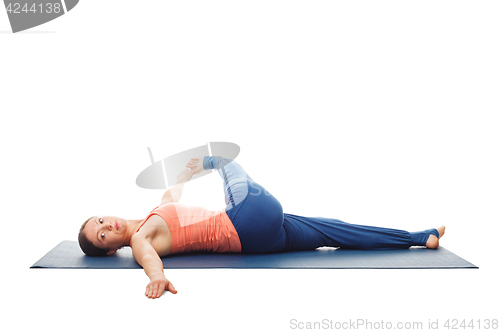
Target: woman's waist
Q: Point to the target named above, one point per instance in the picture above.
(210, 232)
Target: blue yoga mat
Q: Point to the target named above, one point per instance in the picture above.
(69, 255)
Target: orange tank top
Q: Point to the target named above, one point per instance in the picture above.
(196, 229)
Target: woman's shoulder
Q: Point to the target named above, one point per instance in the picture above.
(155, 231)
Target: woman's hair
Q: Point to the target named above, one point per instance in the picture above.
(87, 247)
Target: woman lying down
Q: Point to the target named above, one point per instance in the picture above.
(252, 222)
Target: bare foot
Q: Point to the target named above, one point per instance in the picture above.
(441, 231)
(433, 241)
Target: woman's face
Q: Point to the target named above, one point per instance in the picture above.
(107, 232)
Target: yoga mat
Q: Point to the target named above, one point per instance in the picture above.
(69, 255)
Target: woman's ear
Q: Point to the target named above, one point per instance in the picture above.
(112, 251)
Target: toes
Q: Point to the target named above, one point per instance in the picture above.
(441, 231)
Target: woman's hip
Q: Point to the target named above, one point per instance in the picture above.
(258, 220)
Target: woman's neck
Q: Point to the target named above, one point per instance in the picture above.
(131, 228)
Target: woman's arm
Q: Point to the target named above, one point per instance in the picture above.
(175, 192)
(146, 256)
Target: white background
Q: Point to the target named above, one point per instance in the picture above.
(373, 112)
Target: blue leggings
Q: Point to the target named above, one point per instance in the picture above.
(263, 227)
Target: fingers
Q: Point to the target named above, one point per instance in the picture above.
(155, 289)
(195, 165)
(171, 288)
(192, 162)
(152, 289)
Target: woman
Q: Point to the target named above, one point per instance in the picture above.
(252, 222)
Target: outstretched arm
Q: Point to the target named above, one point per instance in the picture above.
(146, 256)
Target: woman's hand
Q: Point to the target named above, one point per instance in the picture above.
(157, 285)
(196, 165)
